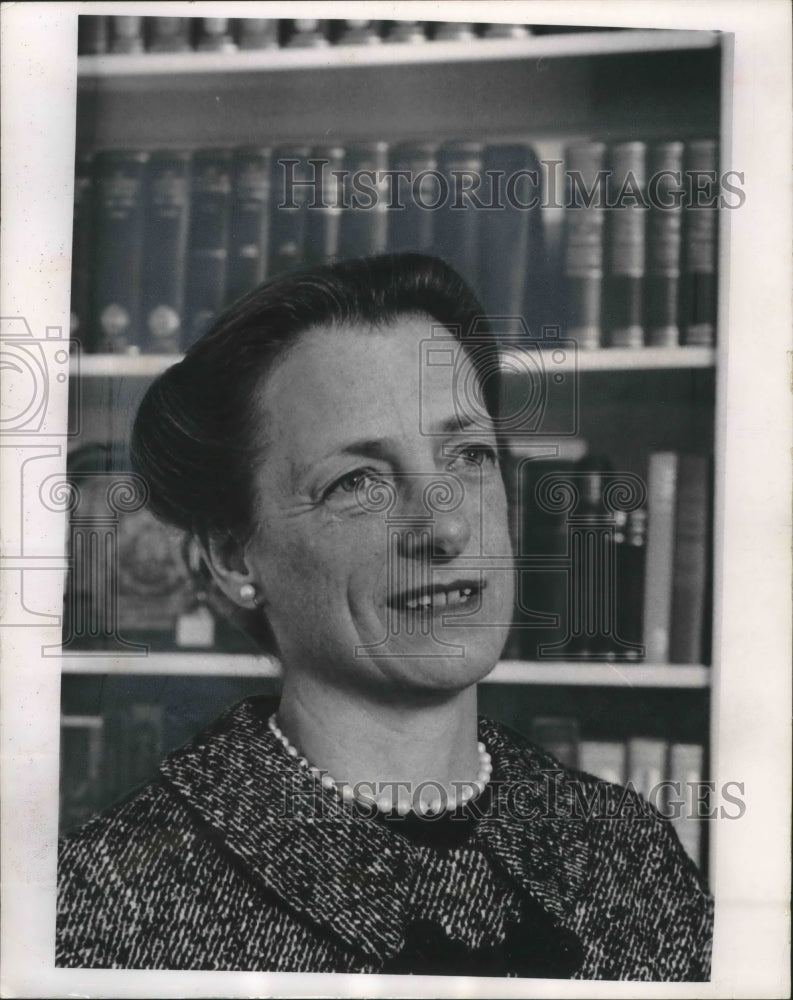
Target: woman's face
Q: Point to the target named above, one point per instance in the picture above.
(381, 553)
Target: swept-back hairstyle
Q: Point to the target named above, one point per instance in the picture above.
(197, 434)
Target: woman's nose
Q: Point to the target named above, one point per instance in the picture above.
(440, 537)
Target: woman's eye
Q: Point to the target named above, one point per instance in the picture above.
(351, 481)
(475, 455)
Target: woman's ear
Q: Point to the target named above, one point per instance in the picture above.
(227, 561)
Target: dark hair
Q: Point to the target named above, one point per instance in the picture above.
(194, 438)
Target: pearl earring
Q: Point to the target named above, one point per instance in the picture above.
(248, 592)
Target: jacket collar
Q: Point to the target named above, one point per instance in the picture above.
(323, 862)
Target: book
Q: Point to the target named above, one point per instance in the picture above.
(93, 34)
(689, 573)
(364, 219)
(406, 32)
(324, 204)
(208, 240)
(457, 219)
(583, 241)
(126, 34)
(700, 242)
(306, 33)
(290, 194)
(511, 236)
(410, 216)
(166, 205)
(251, 171)
(257, 33)
(630, 550)
(603, 759)
(359, 32)
(134, 746)
(661, 493)
(454, 31)
(167, 34)
(82, 239)
(214, 35)
(647, 767)
(496, 30)
(627, 225)
(686, 769)
(117, 250)
(558, 735)
(664, 244)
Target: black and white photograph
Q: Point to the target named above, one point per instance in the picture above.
(396, 487)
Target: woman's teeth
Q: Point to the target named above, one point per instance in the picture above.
(441, 599)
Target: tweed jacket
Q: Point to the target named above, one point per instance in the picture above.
(237, 859)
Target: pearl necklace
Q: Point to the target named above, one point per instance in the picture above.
(384, 802)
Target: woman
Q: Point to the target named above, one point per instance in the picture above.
(332, 444)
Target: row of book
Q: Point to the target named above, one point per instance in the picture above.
(122, 34)
(165, 239)
(625, 585)
(668, 775)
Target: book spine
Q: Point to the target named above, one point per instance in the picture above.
(359, 32)
(257, 33)
(126, 35)
(364, 219)
(165, 241)
(686, 772)
(250, 213)
(406, 32)
(167, 34)
(496, 30)
(626, 245)
(214, 35)
(290, 186)
(324, 206)
(661, 491)
(700, 244)
(454, 31)
(457, 229)
(604, 760)
(511, 245)
(647, 767)
(93, 34)
(81, 752)
(413, 165)
(631, 550)
(306, 33)
(81, 251)
(584, 228)
(690, 561)
(118, 250)
(664, 244)
(208, 241)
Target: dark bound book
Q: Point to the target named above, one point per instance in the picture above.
(664, 241)
(414, 192)
(457, 218)
(117, 250)
(208, 242)
(324, 205)
(80, 307)
(689, 568)
(165, 247)
(583, 253)
(291, 191)
(257, 33)
(627, 226)
(250, 218)
(364, 219)
(700, 238)
(168, 34)
(93, 34)
(511, 246)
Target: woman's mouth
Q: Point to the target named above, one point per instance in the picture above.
(460, 594)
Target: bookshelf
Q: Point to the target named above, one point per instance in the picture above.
(548, 89)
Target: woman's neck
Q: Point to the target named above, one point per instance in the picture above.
(402, 744)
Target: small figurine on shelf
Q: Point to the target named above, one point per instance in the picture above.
(127, 34)
(215, 36)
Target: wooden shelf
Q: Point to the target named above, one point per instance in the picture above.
(564, 674)
(595, 43)
(642, 359)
